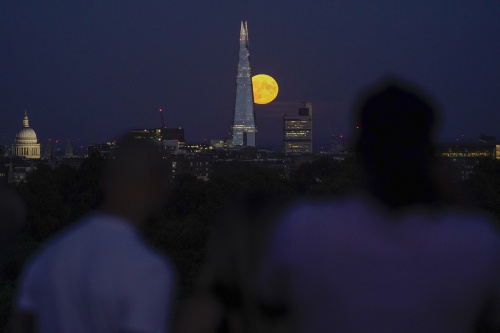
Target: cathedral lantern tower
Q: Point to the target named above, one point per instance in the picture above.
(244, 129)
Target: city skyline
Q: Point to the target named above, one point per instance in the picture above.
(93, 71)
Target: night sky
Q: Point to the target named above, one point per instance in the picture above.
(90, 70)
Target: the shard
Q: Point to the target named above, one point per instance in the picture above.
(244, 130)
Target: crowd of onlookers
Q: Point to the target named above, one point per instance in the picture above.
(405, 254)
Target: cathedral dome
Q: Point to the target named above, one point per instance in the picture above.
(26, 144)
(26, 134)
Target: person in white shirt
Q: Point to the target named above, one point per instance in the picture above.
(100, 275)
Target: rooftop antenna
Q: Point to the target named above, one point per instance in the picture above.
(162, 132)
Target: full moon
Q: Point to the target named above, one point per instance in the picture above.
(265, 89)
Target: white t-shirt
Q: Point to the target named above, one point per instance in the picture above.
(349, 266)
(98, 276)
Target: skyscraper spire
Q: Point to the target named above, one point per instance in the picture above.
(242, 32)
(244, 129)
(246, 31)
(243, 35)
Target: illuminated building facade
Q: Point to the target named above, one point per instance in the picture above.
(463, 157)
(297, 131)
(146, 134)
(475, 151)
(156, 134)
(26, 144)
(244, 130)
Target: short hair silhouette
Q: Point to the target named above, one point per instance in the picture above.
(133, 159)
(395, 138)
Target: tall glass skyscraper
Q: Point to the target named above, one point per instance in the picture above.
(244, 129)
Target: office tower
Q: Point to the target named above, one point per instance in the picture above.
(244, 130)
(297, 131)
(48, 150)
(174, 134)
(165, 137)
(153, 134)
(68, 151)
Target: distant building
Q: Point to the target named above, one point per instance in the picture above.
(200, 166)
(26, 144)
(297, 131)
(74, 162)
(159, 134)
(221, 143)
(486, 138)
(174, 134)
(244, 129)
(153, 134)
(462, 157)
(48, 150)
(475, 150)
(336, 145)
(17, 174)
(68, 151)
(3, 169)
(198, 148)
(170, 146)
(101, 149)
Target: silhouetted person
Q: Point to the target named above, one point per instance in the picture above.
(397, 258)
(12, 219)
(99, 275)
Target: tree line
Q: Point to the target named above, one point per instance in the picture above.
(57, 197)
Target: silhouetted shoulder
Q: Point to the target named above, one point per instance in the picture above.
(360, 221)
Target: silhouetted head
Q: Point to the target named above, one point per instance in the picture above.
(135, 180)
(395, 138)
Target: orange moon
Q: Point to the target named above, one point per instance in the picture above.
(265, 89)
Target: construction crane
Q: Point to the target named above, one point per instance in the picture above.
(162, 132)
(162, 121)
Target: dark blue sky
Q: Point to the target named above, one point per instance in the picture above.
(92, 69)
